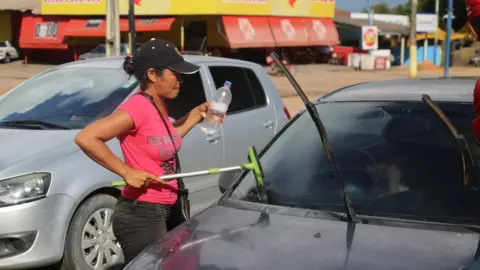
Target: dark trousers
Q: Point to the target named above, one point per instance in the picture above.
(138, 224)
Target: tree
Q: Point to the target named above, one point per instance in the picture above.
(380, 8)
(406, 9)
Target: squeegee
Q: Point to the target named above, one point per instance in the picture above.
(253, 166)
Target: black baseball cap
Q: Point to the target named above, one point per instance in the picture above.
(158, 54)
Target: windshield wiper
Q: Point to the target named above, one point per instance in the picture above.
(312, 111)
(32, 124)
(468, 167)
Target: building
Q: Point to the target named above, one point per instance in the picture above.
(11, 13)
(71, 27)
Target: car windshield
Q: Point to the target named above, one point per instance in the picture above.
(397, 160)
(70, 97)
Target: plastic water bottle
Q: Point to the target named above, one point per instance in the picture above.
(219, 106)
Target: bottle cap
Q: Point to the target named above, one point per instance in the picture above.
(227, 83)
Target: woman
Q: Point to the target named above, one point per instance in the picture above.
(148, 142)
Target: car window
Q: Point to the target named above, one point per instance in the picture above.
(192, 94)
(3, 44)
(247, 91)
(72, 97)
(406, 166)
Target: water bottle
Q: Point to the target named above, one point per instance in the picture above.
(219, 106)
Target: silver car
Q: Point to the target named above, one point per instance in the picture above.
(56, 204)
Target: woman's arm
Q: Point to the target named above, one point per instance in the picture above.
(93, 137)
(186, 123)
(92, 141)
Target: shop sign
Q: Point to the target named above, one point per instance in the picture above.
(46, 30)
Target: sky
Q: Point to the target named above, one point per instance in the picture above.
(357, 5)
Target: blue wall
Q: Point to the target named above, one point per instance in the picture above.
(433, 54)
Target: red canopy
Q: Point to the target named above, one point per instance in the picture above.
(321, 31)
(248, 31)
(97, 27)
(288, 32)
(43, 32)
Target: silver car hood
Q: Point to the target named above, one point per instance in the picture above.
(24, 150)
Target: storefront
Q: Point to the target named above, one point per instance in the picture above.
(248, 32)
(225, 24)
(71, 36)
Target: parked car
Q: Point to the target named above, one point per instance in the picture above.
(403, 175)
(100, 51)
(474, 61)
(56, 204)
(7, 52)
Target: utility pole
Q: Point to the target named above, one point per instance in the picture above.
(437, 11)
(109, 33)
(413, 41)
(369, 19)
(116, 28)
(112, 41)
(132, 35)
(369, 12)
(448, 39)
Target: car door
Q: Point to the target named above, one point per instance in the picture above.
(250, 118)
(198, 152)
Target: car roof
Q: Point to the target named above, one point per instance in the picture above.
(117, 61)
(453, 89)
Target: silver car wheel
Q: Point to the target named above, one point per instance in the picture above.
(99, 245)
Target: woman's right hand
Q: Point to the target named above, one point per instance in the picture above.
(137, 178)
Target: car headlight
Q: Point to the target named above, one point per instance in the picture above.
(24, 188)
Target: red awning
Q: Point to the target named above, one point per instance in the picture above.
(248, 31)
(97, 27)
(86, 28)
(42, 32)
(149, 25)
(288, 32)
(321, 32)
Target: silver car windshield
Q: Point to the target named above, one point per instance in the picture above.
(71, 97)
(397, 159)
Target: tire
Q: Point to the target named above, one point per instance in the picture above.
(77, 250)
(7, 59)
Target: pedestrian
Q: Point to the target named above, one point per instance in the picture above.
(149, 143)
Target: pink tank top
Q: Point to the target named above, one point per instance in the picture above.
(148, 147)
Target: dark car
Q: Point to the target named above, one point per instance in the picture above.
(413, 193)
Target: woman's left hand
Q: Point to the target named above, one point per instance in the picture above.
(201, 110)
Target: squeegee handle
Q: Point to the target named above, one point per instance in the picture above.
(170, 177)
(119, 184)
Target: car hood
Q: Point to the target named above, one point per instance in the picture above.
(235, 239)
(23, 150)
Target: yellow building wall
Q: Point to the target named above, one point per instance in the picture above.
(214, 38)
(5, 26)
(296, 8)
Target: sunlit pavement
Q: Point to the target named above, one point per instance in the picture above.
(316, 80)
